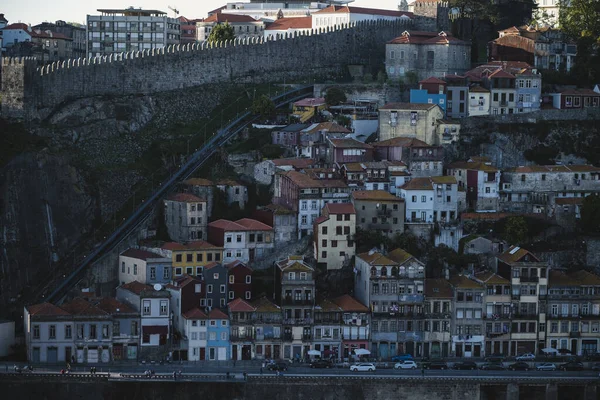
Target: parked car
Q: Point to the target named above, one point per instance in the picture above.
(277, 366)
(571, 366)
(519, 366)
(596, 367)
(320, 364)
(465, 365)
(436, 365)
(593, 357)
(406, 364)
(495, 358)
(545, 367)
(526, 357)
(493, 366)
(369, 367)
(402, 357)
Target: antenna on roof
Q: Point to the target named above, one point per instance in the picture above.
(175, 11)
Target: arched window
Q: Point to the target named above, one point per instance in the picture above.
(373, 271)
(383, 271)
(394, 271)
(411, 272)
(402, 271)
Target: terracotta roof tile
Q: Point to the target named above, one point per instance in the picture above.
(140, 254)
(350, 304)
(438, 288)
(79, 306)
(231, 18)
(296, 163)
(326, 305)
(376, 258)
(361, 10)
(569, 200)
(194, 313)
(264, 305)
(433, 79)
(514, 254)
(375, 195)
(198, 182)
(490, 278)
(305, 181)
(418, 184)
(113, 306)
(215, 313)
(136, 287)
(45, 310)
(239, 305)
(349, 144)
(401, 142)
(194, 245)
(409, 106)
(586, 278)
(340, 208)
(400, 256)
(284, 24)
(463, 282)
(253, 225)
(185, 198)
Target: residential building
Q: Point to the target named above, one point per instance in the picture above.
(573, 311)
(551, 8)
(267, 319)
(373, 175)
(187, 294)
(448, 130)
(428, 54)
(457, 95)
(272, 11)
(295, 292)
(439, 298)
(431, 91)
(195, 333)
(239, 280)
(336, 15)
(306, 109)
(49, 336)
(245, 240)
(283, 220)
(75, 32)
(21, 40)
(288, 136)
(191, 257)
(378, 210)
(393, 288)
(410, 121)
(186, 217)
(529, 283)
(125, 329)
(288, 26)
(235, 193)
(202, 188)
(153, 305)
(243, 331)
(334, 232)
(567, 212)
(327, 335)
(468, 339)
(479, 101)
(188, 30)
(473, 244)
(116, 31)
(265, 171)
(218, 343)
(480, 179)
(544, 48)
(429, 200)
(349, 150)
(536, 188)
(215, 279)
(569, 99)
(144, 266)
(307, 196)
(354, 326)
(498, 312)
(244, 26)
(421, 158)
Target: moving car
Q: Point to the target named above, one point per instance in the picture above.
(526, 357)
(571, 366)
(369, 367)
(596, 367)
(277, 367)
(545, 367)
(402, 357)
(465, 365)
(519, 366)
(406, 364)
(493, 366)
(320, 364)
(436, 365)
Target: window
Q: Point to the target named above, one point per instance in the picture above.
(164, 306)
(52, 332)
(69, 331)
(248, 295)
(248, 279)
(146, 307)
(92, 331)
(135, 269)
(222, 288)
(231, 279)
(189, 257)
(292, 276)
(324, 230)
(123, 267)
(209, 288)
(105, 331)
(414, 199)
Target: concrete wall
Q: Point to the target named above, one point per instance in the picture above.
(31, 92)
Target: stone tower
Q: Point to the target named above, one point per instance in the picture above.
(434, 9)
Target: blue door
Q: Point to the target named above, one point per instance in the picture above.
(384, 351)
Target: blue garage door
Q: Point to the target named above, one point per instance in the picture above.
(52, 355)
(384, 351)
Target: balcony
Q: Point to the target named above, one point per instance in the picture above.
(434, 315)
(328, 321)
(288, 301)
(497, 335)
(525, 316)
(574, 334)
(298, 321)
(288, 337)
(534, 279)
(242, 338)
(495, 317)
(384, 212)
(416, 336)
(411, 298)
(307, 337)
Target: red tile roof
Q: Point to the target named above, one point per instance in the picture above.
(215, 313)
(253, 225)
(140, 254)
(194, 313)
(514, 254)
(113, 306)
(296, 163)
(305, 181)
(421, 37)
(195, 245)
(237, 263)
(408, 106)
(284, 24)
(240, 305)
(136, 287)
(185, 198)
(231, 18)
(433, 79)
(349, 144)
(79, 306)
(401, 142)
(500, 73)
(330, 127)
(375, 195)
(340, 208)
(198, 182)
(321, 219)
(46, 310)
(350, 304)
(579, 92)
(438, 288)
(569, 200)
(211, 265)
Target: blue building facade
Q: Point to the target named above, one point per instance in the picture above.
(422, 96)
(218, 343)
(529, 91)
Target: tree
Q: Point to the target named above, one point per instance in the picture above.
(580, 18)
(335, 96)
(263, 106)
(590, 214)
(516, 230)
(221, 32)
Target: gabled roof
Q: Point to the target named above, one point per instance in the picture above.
(45, 310)
(253, 225)
(375, 195)
(340, 208)
(560, 278)
(296, 163)
(240, 305)
(350, 304)
(198, 182)
(375, 258)
(438, 288)
(294, 263)
(463, 282)
(185, 198)
(490, 278)
(569, 201)
(265, 305)
(79, 306)
(195, 245)
(135, 287)
(400, 256)
(401, 142)
(237, 263)
(330, 127)
(473, 166)
(586, 278)
(244, 224)
(418, 184)
(500, 73)
(113, 306)
(215, 313)
(514, 254)
(409, 106)
(283, 24)
(305, 181)
(231, 18)
(140, 254)
(478, 89)
(194, 313)
(211, 265)
(326, 305)
(349, 144)
(433, 80)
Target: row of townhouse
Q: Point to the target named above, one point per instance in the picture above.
(522, 307)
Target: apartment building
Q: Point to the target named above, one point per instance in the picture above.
(244, 240)
(327, 332)
(144, 266)
(244, 26)
(354, 325)
(432, 199)
(498, 312)
(186, 217)
(379, 210)
(334, 232)
(116, 31)
(410, 120)
(439, 299)
(481, 181)
(529, 285)
(468, 339)
(420, 158)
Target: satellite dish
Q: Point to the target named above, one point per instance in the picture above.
(157, 287)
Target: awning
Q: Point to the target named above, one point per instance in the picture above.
(155, 330)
